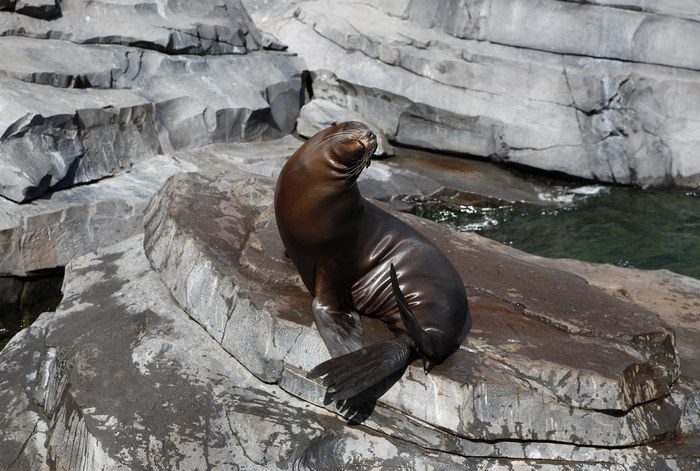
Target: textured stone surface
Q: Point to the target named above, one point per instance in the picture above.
(507, 382)
(570, 366)
(137, 385)
(183, 27)
(87, 100)
(50, 231)
(528, 82)
(121, 378)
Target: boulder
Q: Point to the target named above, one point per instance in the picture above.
(138, 385)
(596, 373)
(588, 98)
(122, 377)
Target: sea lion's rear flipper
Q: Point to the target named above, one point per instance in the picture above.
(341, 331)
(350, 374)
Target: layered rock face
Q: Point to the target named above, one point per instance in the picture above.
(103, 93)
(100, 86)
(600, 90)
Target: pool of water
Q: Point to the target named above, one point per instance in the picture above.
(648, 229)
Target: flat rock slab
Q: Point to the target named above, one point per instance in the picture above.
(50, 232)
(121, 378)
(550, 358)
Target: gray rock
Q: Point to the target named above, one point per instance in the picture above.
(120, 377)
(575, 99)
(51, 232)
(42, 9)
(515, 389)
(101, 109)
(184, 27)
(142, 387)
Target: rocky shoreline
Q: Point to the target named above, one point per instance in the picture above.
(183, 336)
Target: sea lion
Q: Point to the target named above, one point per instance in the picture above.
(354, 257)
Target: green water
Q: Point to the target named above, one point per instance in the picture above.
(648, 229)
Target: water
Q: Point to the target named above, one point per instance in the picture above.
(23, 299)
(648, 229)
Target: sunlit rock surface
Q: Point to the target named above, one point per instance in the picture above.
(50, 231)
(201, 363)
(601, 90)
(550, 358)
(199, 357)
(120, 378)
(103, 86)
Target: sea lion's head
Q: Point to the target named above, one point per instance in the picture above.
(349, 147)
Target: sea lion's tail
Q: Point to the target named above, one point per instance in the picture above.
(348, 375)
(424, 342)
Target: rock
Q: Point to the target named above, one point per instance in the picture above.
(606, 383)
(176, 398)
(185, 27)
(75, 113)
(41, 9)
(51, 232)
(585, 98)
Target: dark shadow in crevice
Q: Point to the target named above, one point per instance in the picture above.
(24, 298)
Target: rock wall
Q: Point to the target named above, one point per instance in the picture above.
(96, 96)
(599, 90)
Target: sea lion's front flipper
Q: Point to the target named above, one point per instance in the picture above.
(341, 331)
(350, 374)
(337, 322)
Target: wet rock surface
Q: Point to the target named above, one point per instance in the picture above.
(594, 89)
